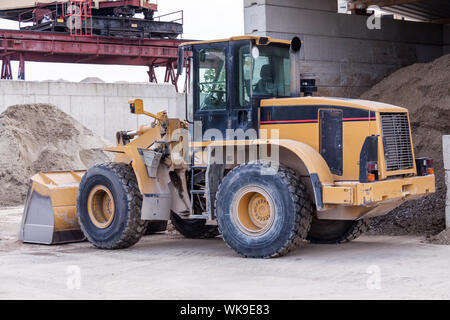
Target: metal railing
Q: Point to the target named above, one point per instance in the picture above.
(180, 18)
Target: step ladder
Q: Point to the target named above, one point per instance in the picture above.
(195, 170)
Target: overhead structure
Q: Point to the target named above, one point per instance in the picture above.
(435, 11)
(33, 46)
(125, 18)
(123, 32)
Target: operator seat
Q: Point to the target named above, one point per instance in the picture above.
(265, 85)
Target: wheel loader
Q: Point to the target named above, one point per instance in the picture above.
(258, 160)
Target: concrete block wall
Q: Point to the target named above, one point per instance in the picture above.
(446, 150)
(346, 56)
(101, 107)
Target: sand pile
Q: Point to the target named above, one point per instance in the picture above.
(37, 138)
(441, 238)
(424, 89)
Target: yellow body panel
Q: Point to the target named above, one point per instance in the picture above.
(296, 132)
(374, 199)
(352, 103)
(337, 195)
(354, 132)
(368, 194)
(312, 160)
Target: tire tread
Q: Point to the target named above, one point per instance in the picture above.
(135, 227)
(303, 205)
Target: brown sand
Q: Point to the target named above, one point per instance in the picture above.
(424, 89)
(37, 138)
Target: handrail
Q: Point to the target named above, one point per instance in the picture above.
(171, 14)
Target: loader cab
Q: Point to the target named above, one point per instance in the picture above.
(227, 81)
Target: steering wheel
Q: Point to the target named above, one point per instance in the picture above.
(214, 98)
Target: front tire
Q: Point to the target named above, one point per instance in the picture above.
(263, 216)
(109, 206)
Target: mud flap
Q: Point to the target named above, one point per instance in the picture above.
(156, 207)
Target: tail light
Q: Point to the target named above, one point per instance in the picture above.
(424, 166)
(372, 171)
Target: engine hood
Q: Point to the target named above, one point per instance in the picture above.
(325, 101)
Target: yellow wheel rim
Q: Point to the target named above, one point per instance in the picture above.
(101, 207)
(253, 211)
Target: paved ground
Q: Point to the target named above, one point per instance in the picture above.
(169, 267)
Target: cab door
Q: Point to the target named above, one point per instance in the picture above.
(243, 114)
(211, 99)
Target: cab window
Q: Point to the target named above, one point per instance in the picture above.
(212, 79)
(271, 71)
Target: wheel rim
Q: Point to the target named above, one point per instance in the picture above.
(253, 211)
(101, 207)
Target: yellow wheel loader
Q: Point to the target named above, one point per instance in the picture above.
(258, 160)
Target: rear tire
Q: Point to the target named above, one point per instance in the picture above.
(155, 227)
(336, 231)
(263, 216)
(193, 229)
(121, 226)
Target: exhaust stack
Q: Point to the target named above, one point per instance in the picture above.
(296, 45)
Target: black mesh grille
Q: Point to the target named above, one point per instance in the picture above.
(396, 141)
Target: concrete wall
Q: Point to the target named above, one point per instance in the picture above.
(446, 149)
(101, 107)
(346, 56)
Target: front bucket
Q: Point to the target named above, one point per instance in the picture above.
(50, 213)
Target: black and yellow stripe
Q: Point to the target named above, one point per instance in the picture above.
(310, 114)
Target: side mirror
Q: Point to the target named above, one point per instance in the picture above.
(180, 63)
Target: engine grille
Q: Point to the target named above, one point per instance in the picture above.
(396, 141)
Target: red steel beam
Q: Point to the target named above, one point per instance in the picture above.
(51, 47)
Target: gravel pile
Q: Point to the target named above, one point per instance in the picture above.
(424, 89)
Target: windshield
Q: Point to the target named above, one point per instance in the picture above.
(271, 71)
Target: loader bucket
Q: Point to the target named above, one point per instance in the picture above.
(50, 212)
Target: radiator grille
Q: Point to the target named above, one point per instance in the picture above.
(396, 141)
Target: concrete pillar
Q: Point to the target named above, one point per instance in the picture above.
(446, 151)
(345, 55)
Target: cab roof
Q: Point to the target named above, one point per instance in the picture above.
(258, 40)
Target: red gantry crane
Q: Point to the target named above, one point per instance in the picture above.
(93, 32)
